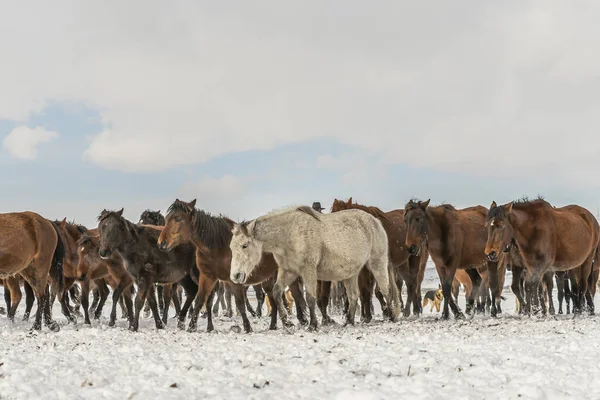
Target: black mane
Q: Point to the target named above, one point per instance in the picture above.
(213, 231)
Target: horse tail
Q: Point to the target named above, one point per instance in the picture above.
(56, 267)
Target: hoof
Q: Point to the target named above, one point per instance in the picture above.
(181, 325)
(88, 322)
(192, 329)
(461, 316)
(133, 328)
(235, 329)
(111, 322)
(312, 328)
(53, 326)
(273, 327)
(329, 322)
(303, 322)
(160, 326)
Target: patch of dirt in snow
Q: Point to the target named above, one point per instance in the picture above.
(481, 358)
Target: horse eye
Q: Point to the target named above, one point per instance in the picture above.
(245, 245)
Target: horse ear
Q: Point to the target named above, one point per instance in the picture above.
(120, 212)
(192, 204)
(493, 205)
(425, 204)
(350, 200)
(508, 207)
(63, 222)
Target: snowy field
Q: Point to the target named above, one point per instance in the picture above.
(481, 358)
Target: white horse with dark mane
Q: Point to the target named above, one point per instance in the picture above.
(329, 247)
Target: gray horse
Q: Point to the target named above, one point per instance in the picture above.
(329, 247)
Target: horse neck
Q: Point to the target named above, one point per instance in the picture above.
(133, 233)
(436, 217)
(520, 223)
(210, 232)
(274, 237)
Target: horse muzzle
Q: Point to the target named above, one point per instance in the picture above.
(414, 250)
(81, 278)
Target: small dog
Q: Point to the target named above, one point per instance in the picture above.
(435, 297)
(289, 299)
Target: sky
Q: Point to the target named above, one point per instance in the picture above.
(253, 106)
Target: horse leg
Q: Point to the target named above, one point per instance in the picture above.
(240, 302)
(365, 283)
(227, 296)
(324, 291)
(568, 292)
(206, 285)
(160, 290)
(515, 286)
(560, 286)
(284, 279)
(29, 300)
(585, 272)
(379, 267)
(6, 294)
(104, 292)
(448, 277)
(399, 285)
(176, 297)
(352, 290)
(220, 300)
(299, 300)
(191, 289)
(477, 284)
(591, 292)
(247, 302)
(15, 296)
(494, 287)
(131, 313)
(95, 300)
(64, 301)
(549, 278)
(167, 295)
(260, 299)
(85, 301)
(310, 283)
(268, 288)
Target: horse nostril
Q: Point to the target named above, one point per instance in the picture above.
(412, 249)
(492, 255)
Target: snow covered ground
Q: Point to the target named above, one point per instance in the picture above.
(506, 358)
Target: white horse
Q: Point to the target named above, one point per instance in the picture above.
(329, 247)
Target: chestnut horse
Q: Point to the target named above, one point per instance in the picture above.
(547, 239)
(211, 236)
(410, 268)
(456, 240)
(31, 247)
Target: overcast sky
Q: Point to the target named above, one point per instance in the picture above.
(251, 106)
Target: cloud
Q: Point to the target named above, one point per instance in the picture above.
(23, 142)
(505, 89)
(355, 167)
(214, 188)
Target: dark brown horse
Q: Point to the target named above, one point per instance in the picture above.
(211, 236)
(547, 239)
(456, 240)
(92, 267)
(410, 268)
(31, 247)
(137, 246)
(152, 217)
(70, 233)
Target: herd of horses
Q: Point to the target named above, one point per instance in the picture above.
(323, 260)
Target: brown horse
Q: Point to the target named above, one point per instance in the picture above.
(70, 234)
(211, 235)
(31, 247)
(411, 268)
(547, 238)
(456, 240)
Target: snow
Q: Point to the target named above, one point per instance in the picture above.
(510, 357)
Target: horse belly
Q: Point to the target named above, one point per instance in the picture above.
(339, 268)
(11, 264)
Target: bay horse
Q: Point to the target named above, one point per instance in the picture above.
(31, 247)
(137, 246)
(328, 247)
(548, 239)
(92, 267)
(410, 268)
(211, 237)
(456, 240)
